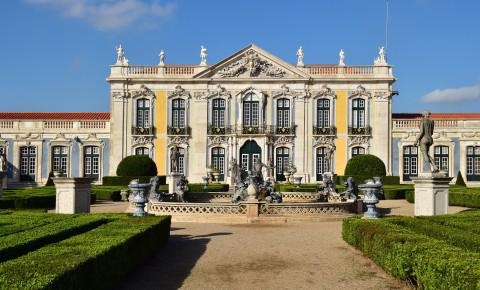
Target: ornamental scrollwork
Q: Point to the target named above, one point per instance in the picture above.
(360, 91)
(179, 92)
(142, 140)
(324, 140)
(325, 91)
(358, 140)
(252, 65)
(283, 140)
(217, 140)
(143, 91)
(177, 140)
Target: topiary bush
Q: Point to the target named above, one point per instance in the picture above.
(365, 165)
(137, 165)
(460, 181)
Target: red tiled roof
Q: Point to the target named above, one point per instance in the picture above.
(437, 116)
(54, 116)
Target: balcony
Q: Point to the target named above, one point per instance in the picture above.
(283, 130)
(264, 130)
(360, 131)
(329, 131)
(226, 130)
(186, 131)
(143, 130)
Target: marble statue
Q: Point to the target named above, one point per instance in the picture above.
(182, 187)
(121, 59)
(3, 164)
(351, 189)
(234, 171)
(174, 159)
(382, 57)
(328, 158)
(425, 141)
(203, 55)
(263, 187)
(153, 195)
(341, 54)
(300, 56)
(162, 58)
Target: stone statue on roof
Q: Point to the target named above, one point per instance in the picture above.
(341, 55)
(300, 57)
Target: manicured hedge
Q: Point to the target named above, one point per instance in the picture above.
(17, 244)
(307, 187)
(467, 197)
(92, 260)
(395, 193)
(425, 261)
(108, 192)
(212, 187)
(33, 201)
(137, 165)
(365, 165)
(13, 223)
(125, 180)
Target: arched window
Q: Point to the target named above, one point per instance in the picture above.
(358, 113)
(473, 163)
(178, 113)
(143, 113)
(218, 113)
(142, 151)
(323, 113)
(283, 157)
(410, 162)
(60, 159)
(28, 163)
(91, 161)
(283, 113)
(358, 151)
(440, 155)
(251, 111)
(218, 161)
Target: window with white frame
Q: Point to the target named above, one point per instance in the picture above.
(358, 150)
(410, 162)
(283, 158)
(283, 113)
(358, 113)
(178, 113)
(143, 113)
(218, 161)
(440, 156)
(218, 113)
(251, 109)
(28, 163)
(60, 159)
(473, 163)
(142, 151)
(321, 162)
(323, 113)
(91, 161)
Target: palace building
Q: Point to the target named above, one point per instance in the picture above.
(251, 105)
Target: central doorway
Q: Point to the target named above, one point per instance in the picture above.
(249, 152)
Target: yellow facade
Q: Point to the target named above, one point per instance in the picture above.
(341, 123)
(161, 126)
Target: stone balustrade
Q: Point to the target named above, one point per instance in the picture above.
(52, 126)
(439, 123)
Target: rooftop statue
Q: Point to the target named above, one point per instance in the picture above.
(162, 58)
(341, 55)
(203, 55)
(382, 56)
(300, 57)
(121, 59)
(425, 141)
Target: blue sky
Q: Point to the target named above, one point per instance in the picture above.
(56, 53)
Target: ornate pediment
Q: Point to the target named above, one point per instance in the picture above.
(142, 92)
(328, 141)
(252, 62)
(360, 91)
(358, 140)
(178, 92)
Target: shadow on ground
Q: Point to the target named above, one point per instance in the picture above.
(171, 265)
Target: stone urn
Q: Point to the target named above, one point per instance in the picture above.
(140, 196)
(216, 176)
(287, 176)
(57, 173)
(371, 191)
(297, 181)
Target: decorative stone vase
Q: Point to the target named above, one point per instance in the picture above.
(216, 176)
(140, 197)
(57, 173)
(298, 181)
(371, 191)
(287, 176)
(251, 192)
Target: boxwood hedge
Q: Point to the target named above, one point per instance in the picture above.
(137, 165)
(93, 260)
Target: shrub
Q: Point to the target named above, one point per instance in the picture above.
(430, 263)
(460, 181)
(137, 165)
(456, 198)
(125, 180)
(212, 187)
(410, 196)
(395, 193)
(92, 260)
(33, 201)
(365, 165)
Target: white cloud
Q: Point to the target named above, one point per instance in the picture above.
(111, 14)
(470, 93)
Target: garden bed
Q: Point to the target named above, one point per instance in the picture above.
(92, 258)
(441, 252)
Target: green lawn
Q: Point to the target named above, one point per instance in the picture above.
(440, 252)
(51, 251)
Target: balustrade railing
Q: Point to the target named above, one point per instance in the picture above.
(57, 124)
(415, 123)
(324, 131)
(215, 130)
(338, 70)
(360, 131)
(93, 124)
(179, 131)
(6, 124)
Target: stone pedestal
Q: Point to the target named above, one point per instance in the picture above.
(2, 178)
(431, 194)
(172, 182)
(73, 194)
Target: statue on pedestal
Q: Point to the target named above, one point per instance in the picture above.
(328, 158)
(425, 141)
(174, 159)
(300, 57)
(234, 171)
(121, 59)
(382, 58)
